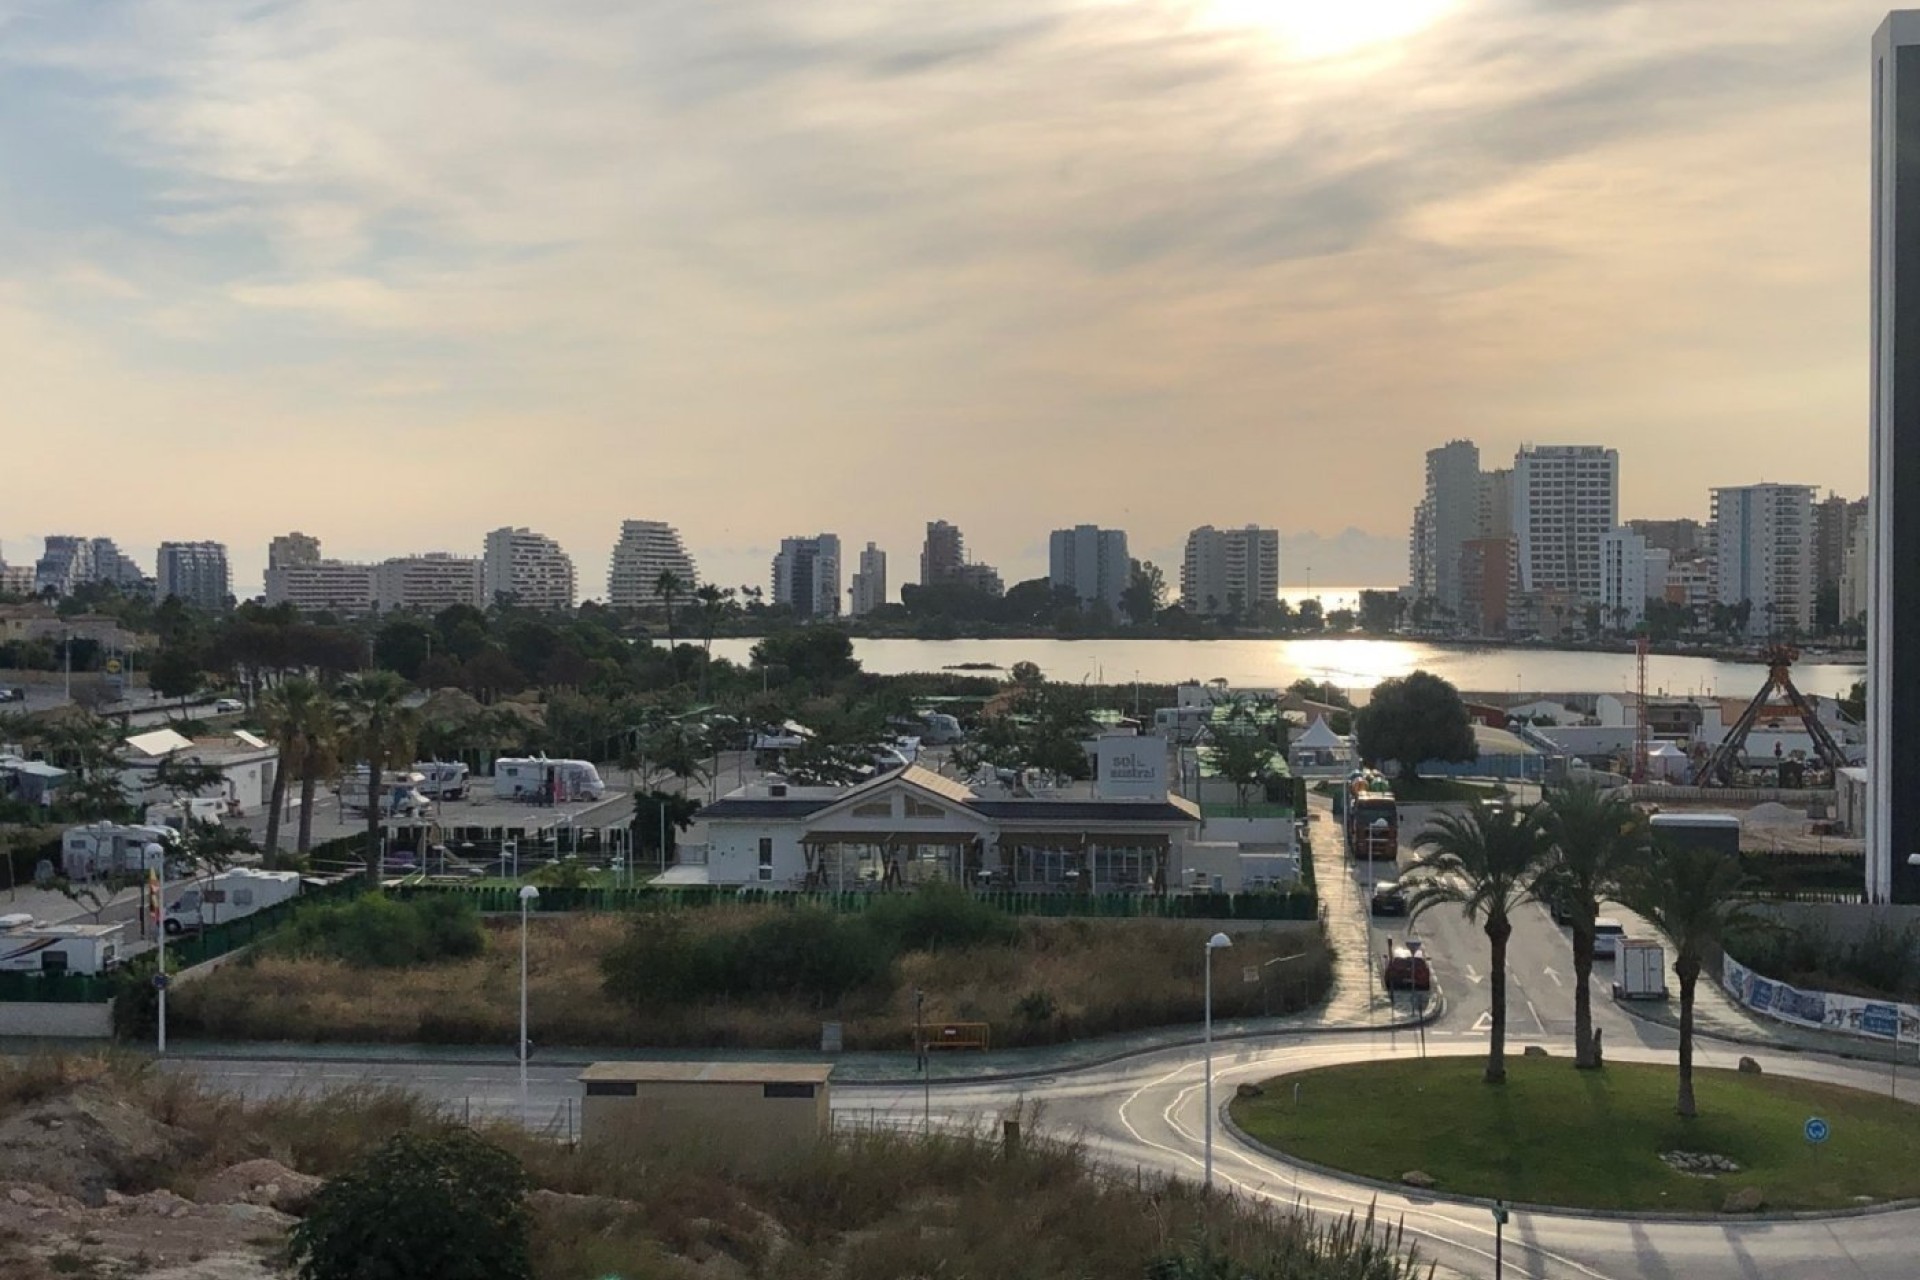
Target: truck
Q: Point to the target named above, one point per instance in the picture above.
(443, 779)
(28, 947)
(227, 895)
(1371, 816)
(101, 849)
(1698, 831)
(1641, 970)
(546, 781)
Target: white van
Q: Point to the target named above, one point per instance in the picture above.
(538, 778)
(1607, 933)
(228, 895)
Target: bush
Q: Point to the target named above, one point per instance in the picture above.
(938, 917)
(377, 932)
(445, 1204)
(807, 953)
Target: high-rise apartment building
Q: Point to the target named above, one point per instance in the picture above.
(1762, 539)
(647, 549)
(294, 548)
(1091, 562)
(70, 562)
(1486, 585)
(1683, 539)
(1893, 489)
(1452, 503)
(1421, 581)
(1854, 581)
(429, 582)
(1834, 520)
(1566, 498)
(870, 582)
(983, 578)
(527, 568)
(15, 579)
(194, 573)
(1631, 573)
(336, 586)
(1496, 503)
(1230, 570)
(806, 575)
(943, 553)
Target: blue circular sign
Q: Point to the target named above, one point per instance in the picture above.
(161, 981)
(1816, 1129)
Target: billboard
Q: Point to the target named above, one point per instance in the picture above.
(1130, 768)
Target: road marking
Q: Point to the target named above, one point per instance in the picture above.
(1536, 1018)
(1475, 976)
(1484, 1022)
(1551, 974)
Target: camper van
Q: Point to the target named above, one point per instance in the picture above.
(443, 779)
(177, 815)
(226, 896)
(400, 793)
(546, 781)
(26, 947)
(101, 849)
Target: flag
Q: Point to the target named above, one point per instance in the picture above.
(153, 895)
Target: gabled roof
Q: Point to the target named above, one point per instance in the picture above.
(1318, 735)
(159, 742)
(955, 794)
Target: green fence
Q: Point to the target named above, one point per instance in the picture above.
(1298, 905)
(55, 988)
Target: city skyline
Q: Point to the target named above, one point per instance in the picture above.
(261, 226)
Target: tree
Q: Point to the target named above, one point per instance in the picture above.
(403, 644)
(442, 1202)
(1694, 896)
(1243, 757)
(1485, 860)
(383, 729)
(176, 673)
(816, 654)
(1380, 611)
(1145, 594)
(1417, 718)
(1597, 837)
(286, 711)
(1310, 614)
(715, 602)
(322, 730)
(648, 823)
(669, 586)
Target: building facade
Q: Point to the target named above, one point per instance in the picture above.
(194, 573)
(1762, 538)
(1486, 585)
(979, 577)
(646, 549)
(870, 581)
(336, 586)
(1566, 498)
(294, 548)
(1631, 574)
(1893, 490)
(528, 568)
(1453, 516)
(429, 582)
(806, 575)
(71, 562)
(1834, 521)
(1229, 570)
(941, 556)
(1091, 562)
(1854, 580)
(1683, 539)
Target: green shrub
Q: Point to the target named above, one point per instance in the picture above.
(807, 954)
(445, 1204)
(374, 931)
(940, 917)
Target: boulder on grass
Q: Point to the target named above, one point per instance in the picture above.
(1745, 1200)
(1418, 1180)
(1534, 1051)
(1748, 1067)
(1249, 1091)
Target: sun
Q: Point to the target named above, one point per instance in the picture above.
(1332, 28)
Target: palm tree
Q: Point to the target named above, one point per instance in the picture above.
(1695, 897)
(383, 729)
(323, 729)
(1485, 860)
(667, 586)
(284, 712)
(1597, 837)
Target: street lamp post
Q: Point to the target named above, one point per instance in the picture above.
(1215, 943)
(528, 894)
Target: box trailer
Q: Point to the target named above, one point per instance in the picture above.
(1640, 970)
(225, 896)
(27, 947)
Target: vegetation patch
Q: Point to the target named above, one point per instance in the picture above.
(372, 931)
(1592, 1139)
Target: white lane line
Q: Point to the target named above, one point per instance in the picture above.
(1536, 1018)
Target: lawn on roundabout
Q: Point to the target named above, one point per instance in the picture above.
(1591, 1139)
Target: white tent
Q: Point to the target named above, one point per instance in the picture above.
(1320, 738)
(1667, 762)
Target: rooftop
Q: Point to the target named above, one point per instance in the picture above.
(708, 1072)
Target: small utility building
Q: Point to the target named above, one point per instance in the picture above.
(744, 1112)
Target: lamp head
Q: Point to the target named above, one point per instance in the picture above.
(528, 893)
(1218, 941)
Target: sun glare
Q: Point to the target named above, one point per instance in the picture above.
(1332, 28)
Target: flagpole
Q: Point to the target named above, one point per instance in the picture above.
(156, 911)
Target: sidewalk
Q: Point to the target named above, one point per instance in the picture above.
(1352, 1001)
(1715, 1015)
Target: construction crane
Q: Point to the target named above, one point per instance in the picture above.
(1717, 769)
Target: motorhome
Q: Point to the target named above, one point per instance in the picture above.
(548, 781)
(225, 896)
(26, 947)
(400, 793)
(443, 779)
(101, 849)
(178, 815)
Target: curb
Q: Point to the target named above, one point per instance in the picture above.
(1435, 1010)
(1247, 1140)
(1755, 1042)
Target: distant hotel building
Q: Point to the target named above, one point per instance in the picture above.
(870, 583)
(1228, 570)
(943, 560)
(1631, 573)
(429, 582)
(646, 549)
(806, 576)
(527, 568)
(1091, 562)
(1566, 498)
(194, 573)
(1763, 553)
(299, 576)
(290, 549)
(70, 562)
(1449, 518)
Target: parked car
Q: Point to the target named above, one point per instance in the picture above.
(1389, 899)
(13, 693)
(1406, 967)
(228, 706)
(1561, 913)
(1607, 933)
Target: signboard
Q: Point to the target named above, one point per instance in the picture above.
(1128, 767)
(1820, 1010)
(1816, 1130)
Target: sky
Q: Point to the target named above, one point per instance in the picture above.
(397, 273)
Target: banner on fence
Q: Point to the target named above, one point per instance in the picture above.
(1820, 1010)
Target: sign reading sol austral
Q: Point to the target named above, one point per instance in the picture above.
(1130, 767)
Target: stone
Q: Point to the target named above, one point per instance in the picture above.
(262, 1182)
(20, 1195)
(1249, 1091)
(1419, 1180)
(1534, 1051)
(1745, 1200)
(1748, 1067)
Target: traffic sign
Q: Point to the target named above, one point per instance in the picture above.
(161, 982)
(113, 666)
(1499, 1213)
(1816, 1130)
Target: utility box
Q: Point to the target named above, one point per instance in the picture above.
(1641, 967)
(743, 1115)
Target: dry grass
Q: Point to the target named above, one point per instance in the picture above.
(1062, 980)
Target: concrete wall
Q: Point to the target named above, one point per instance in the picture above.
(1844, 922)
(734, 1123)
(76, 1021)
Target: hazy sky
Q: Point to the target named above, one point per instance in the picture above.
(395, 273)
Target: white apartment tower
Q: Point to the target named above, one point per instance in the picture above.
(1764, 549)
(1228, 567)
(806, 576)
(195, 573)
(1566, 498)
(870, 583)
(292, 548)
(1452, 505)
(1092, 562)
(429, 582)
(527, 568)
(1630, 573)
(646, 549)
